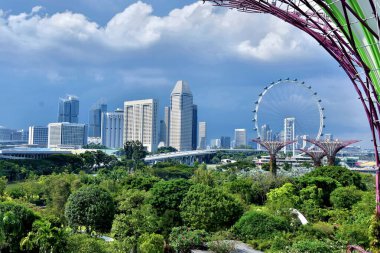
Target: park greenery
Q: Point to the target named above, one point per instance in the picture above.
(94, 202)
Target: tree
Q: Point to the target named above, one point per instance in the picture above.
(344, 176)
(209, 208)
(134, 151)
(259, 225)
(345, 197)
(168, 194)
(283, 198)
(82, 243)
(169, 149)
(57, 191)
(91, 207)
(184, 239)
(151, 243)
(45, 238)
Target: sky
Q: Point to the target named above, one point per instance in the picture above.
(118, 50)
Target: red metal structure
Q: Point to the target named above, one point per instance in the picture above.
(273, 147)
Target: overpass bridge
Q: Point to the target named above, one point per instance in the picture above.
(189, 157)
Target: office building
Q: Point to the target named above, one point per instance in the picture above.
(112, 128)
(95, 120)
(181, 117)
(38, 135)
(68, 109)
(240, 138)
(194, 133)
(289, 135)
(202, 137)
(67, 135)
(140, 122)
(5, 134)
(215, 143)
(167, 125)
(225, 142)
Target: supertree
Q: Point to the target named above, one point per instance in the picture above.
(349, 32)
(331, 148)
(315, 154)
(273, 147)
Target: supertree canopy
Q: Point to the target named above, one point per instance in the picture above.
(349, 31)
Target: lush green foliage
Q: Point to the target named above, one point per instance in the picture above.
(259, 225)
(91, 207)
(210, 209)
(184, 239)
(345, 197)
(151, 243)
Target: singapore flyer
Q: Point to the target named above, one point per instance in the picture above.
(289, 110)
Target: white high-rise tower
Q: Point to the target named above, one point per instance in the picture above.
(140, 122)
(181, 117)
(289, 134)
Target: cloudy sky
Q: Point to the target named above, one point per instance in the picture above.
(118, 50)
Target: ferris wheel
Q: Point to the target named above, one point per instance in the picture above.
(289, 110)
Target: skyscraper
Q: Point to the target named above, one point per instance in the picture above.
(215, 143)
(140, 122)
(112, 128)
(95, 120)
(195, 127)
(66, 134)
(202, 135)
(181, 117)
(240, 138)
(38, 135)
(167, 125)
(68, 109)
(289, 134)
(225, 142)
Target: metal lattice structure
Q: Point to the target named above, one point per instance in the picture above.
(273, 147)
(331, 148)
(316, 155)
(349, 31)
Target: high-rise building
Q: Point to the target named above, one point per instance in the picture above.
(240, 138)
(112, 126)
(181, 117)
(167, 125)
(140, 122)
(69, 135)
(38, 135)
(225, 142)
(5, 134)
(202, 138)
(194, 133)
(95, 120)
(289, 134)
(215, 143)
(68, 109)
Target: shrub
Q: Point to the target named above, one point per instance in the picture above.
(259, 225)
(344, 176)
(345, 197)
(209, 208)
(310, 246)
(151, 243)
(184, 239)
(221, 246)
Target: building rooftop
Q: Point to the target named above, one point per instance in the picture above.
(181, 87)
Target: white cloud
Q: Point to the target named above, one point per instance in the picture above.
(201, 27)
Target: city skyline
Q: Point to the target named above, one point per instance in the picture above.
(139, 68)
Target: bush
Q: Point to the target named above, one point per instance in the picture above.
(344, 176)
(345, 197)
(310, 246)
(151, 243)
(221, 246)
(184, 239)
(259, 225)
(91, 207)
(82, 243)
(209, 208)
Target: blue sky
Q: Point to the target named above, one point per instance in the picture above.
(122, 50)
